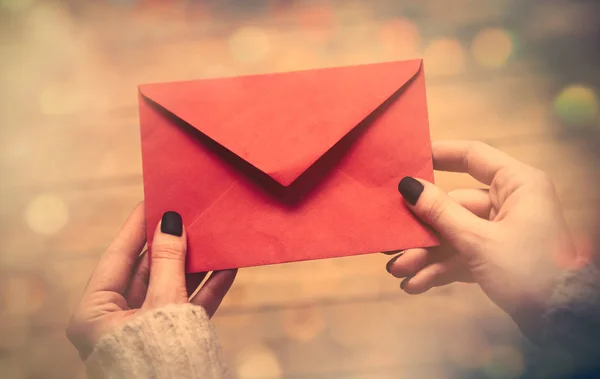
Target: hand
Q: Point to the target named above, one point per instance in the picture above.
(510, 239)
(123, 286)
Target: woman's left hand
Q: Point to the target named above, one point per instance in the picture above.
(122, 285)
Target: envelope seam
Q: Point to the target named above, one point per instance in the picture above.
(212, 205)
(351, 177)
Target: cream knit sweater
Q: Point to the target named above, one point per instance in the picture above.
(177, 341)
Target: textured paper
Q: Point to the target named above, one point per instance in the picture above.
(286, 167)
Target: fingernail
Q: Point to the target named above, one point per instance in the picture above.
(388, 266)
(172, 224)
(405, 281)
(411, 189)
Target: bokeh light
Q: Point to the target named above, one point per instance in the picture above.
(317, 25)
(250, 45)
(22, 294)
(492, 47)
(444, 57)
(46, 214)
(353, 12)
(557, 21)
(84, 59)
(58, 100)
(217, 71)
(577, 105)
(293, 58)
(352, 35)
(258, 362)
(303, 324)
(316, 15)
(400, 38)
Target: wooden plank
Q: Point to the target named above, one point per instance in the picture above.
(91, 151)
(50, 355)
(168, 43)
(64, 260)
(106, 147)
(406, 334)
(77, 141)
(95, 213)
(88, 220)
(259, 289)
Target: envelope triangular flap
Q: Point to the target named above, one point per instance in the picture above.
(283, 123)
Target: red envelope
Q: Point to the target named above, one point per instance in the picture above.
(290, 166)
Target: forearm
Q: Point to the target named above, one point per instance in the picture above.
(176, 341)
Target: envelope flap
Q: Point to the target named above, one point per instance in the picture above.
(283, 123)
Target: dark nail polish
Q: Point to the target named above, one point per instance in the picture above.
(388, 266)
(405, 281)
(172, 224)
(393, 252)
(411, 189)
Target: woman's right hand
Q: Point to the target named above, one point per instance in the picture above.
(511, 239)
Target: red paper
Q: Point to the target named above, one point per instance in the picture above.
(286, 167)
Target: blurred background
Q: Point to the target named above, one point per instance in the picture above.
(520, 75)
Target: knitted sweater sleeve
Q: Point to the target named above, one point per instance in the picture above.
(177, 341)
(571, 327)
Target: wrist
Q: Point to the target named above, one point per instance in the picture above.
(531, 307)
(529, 316)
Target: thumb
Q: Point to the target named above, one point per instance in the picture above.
(167, 263)
(436, 208)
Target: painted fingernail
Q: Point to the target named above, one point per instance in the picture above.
(388, 266)
(172, 224)
(405, 281)
(411, 189)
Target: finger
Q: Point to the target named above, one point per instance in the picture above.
(459, 275)
(451, 220)
(214, 290)
(477, 201)
(479, 160)
(113, 271)
(408, 263)
(394, 252)
(193, 281)
(136, 293)
(493, 214)
(437, 274)
(413, 260)
(167, 262)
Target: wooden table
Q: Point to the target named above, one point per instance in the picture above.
(70, 169)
